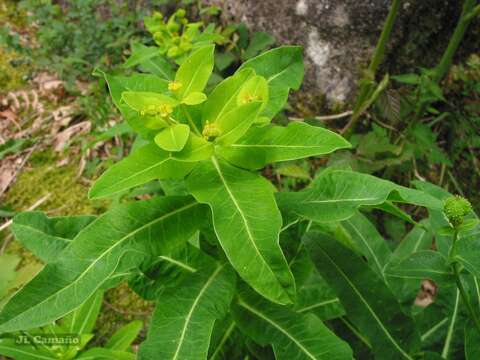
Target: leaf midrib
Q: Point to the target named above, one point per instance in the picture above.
(370, 250)
(277, 326)
(194, 305)
(239, 210)
(126, 237)
(374, 315)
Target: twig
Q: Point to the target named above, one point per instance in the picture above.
(326, 117)
(126, 312)
(33, 207)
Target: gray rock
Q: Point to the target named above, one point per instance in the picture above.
(340, 35)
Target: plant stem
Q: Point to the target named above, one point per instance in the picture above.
(377, 58)
(461, 288)
(465, 19)
(190, 121)
(469, 12)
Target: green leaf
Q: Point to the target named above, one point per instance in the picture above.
(467, 253)
(140, 54)
(336, 194)
(173, 138)
(105, 354)
(472, 342)
(183, 321)
(260, 41)
(136, 82)
(371, 244)
(8, 264)
(125, 336)
(194, 98)
(46, 237)
(314, 295)
(247, 224)
(416, 240)
(283, 69)
(223, 98)
(254, 89)
(263, 145)
(409, 79)
(235, 123)
(145, 164)
(150, 60)
(292, 335)
(195, 71)
(143, 100)
(8, 347)
(82, 320)
(113, 244)
(426, 264)
(369, 303)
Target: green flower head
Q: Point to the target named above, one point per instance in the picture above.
(455, 209)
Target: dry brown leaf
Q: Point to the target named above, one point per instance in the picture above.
(427, 294)
(47, 82)
(64, 137)
(62, 117)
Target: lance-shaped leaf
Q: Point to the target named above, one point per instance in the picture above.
(136, 82)
(9, 347)
(283, 69)
(46, 237)
(183, 321)
(467, 252)
(418, 239)
(264, 145)
(150, 163)
(105, 354)
(82, 320)
(368, 301)
(125, 336)
(247, 224)
(143, 100)
(173, 138)
(336, 194)
(223, 98)
(193, 74)
(371, 244)
(236, 123)
(426, 264)
(150, 60)
(314, 295)
(292, 335)
(114, 243)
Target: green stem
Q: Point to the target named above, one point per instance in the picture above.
(468, 14)
(465, 19)
(461, 288)
(190, 121)
(377, 59)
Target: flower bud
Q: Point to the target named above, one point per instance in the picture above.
(455, 209)
(210, 130)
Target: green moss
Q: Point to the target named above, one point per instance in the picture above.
(11, 77)
(121, 305)
(67, 195)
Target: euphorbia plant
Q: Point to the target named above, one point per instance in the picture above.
(208, 250)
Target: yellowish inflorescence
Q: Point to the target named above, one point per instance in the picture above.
(210, 130)
(163, 110)
(174, 85)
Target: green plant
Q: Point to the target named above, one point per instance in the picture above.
(68, 338)
(237, 269)
(177, 37)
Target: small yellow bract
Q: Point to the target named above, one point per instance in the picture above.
(174, 85)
